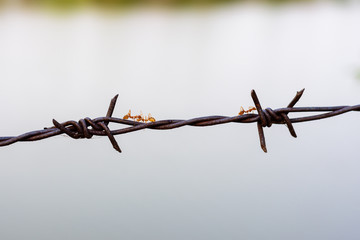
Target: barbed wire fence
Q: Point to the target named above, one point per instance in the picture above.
(87, 128)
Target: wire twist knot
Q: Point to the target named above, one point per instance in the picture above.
(80, 129)
(268, 116)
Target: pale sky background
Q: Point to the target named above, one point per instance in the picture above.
(186, 183)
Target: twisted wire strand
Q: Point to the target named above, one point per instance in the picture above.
(87, 128)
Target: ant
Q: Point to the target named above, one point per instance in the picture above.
(139, 118)
(242, 111)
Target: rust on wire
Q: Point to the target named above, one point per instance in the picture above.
(86, 128)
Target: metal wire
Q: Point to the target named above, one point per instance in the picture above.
(86, 128)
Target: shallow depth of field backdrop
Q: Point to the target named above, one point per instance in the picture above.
(180, 62)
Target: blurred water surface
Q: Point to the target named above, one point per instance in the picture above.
(187, 183)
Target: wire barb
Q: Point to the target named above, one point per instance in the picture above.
(86, 128)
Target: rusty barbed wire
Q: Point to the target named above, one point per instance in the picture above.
(86, 128)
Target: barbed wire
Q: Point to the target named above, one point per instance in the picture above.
(87, 128)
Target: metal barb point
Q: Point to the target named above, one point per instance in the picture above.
(291, 105)
(262, 120)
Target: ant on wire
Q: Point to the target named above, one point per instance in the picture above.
(242, 111)
(140, 117)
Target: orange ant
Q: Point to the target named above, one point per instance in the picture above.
(242, 111)
(139, 118)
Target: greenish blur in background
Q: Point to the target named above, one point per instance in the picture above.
(121, 4)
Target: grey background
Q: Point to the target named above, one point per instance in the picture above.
(187, 183)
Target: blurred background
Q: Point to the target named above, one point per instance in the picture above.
(178, 60)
